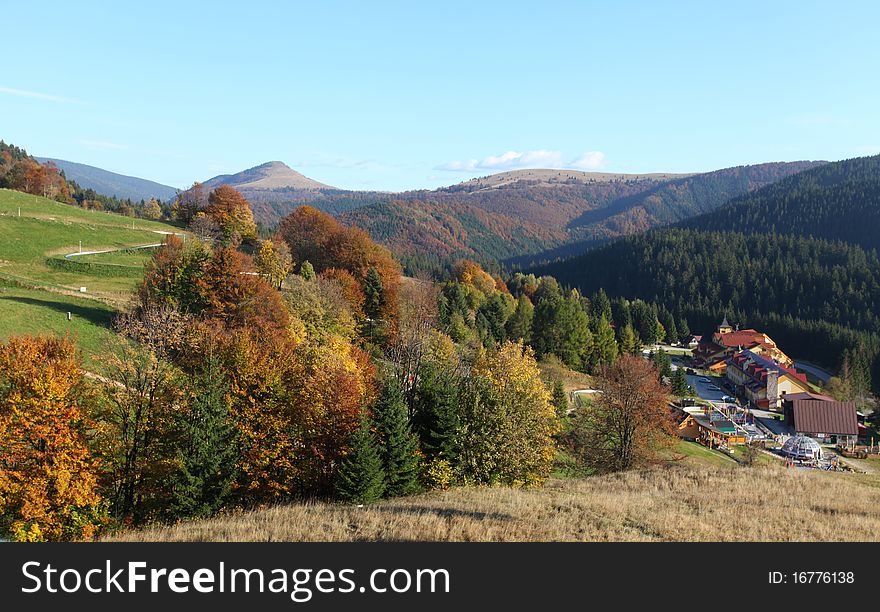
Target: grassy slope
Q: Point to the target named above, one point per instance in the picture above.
(49, 228)
(678, 502)
(35, 298)
(35, 312)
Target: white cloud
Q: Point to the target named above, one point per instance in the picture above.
(515, 160)
(35, 94)
(590, 161)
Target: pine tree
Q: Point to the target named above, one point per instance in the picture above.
(399, 444)
(307, 271)
(663, 364)
(206, 452)
(559, 399)
(374, 295)
(436, 412)
(680, 385)
(601, 305)
(629, 341)
(684, 330)
(519, 325)
(604, 344)
(361, 479)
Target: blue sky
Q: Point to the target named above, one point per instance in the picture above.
(403, 95)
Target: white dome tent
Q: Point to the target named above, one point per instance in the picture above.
(802, 448)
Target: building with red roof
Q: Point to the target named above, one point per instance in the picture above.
(763, 381)
(713, 352)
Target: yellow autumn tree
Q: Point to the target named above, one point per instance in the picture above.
(508, 421)
(274, 262)
(47, 474)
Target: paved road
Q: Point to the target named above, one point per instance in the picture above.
(813, 369)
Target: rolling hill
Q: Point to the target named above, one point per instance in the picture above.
(839, 201)
(112, 184)
(538, 215)
(39, 286)
(796, 258)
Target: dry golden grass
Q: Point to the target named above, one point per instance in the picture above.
(680, 502)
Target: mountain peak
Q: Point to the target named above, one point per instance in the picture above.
(267, 176)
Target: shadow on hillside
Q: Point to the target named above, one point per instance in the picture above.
(97, 316)
(446, 512)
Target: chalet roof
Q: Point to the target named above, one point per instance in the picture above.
(724, 323)
(757, 367)
(742, 337)
(805, 395)
(815, 416)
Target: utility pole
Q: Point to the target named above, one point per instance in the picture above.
(80, 246)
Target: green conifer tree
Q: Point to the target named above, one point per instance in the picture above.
(519, 325)
(361, 479)
(680, 385)
(559, 399)
(437, 417)
(399, 444)
(604, 345)
(629, 341)
(307, 271)
(374, 295)
(206, 448)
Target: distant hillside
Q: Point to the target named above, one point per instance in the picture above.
(549, 176)
(790, 258)
(112, 184)
(274, 190)
(266, 177)
(838, 201)
(539, 215)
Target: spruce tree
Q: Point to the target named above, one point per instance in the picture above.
(361, 479)
(684, 330)
(206, 446)
(307, 271)
(519, 325)
(629, 341)
(437, 418)
(559, 399)
(604, 344)
(374, 295)
(399, 444)
(679, 383)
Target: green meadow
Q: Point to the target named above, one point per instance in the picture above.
(38, 287)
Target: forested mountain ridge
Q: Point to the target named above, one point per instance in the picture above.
(527, 219)
(112, 184)
(797, 258)
(838, 201)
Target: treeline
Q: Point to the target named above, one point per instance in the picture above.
(527, 220)
(21, 172)
(815, 297)
(309, 370)
(585, 333)
(836, 201)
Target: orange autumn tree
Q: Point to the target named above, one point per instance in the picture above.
(232, 212)
(318, 238)
(294, 405)
(47, 474)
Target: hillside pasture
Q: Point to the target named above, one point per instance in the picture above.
(669, 503)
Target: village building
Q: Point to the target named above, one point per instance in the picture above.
(708, 428)
(762, 381)
(713, 353)
(827, 421)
